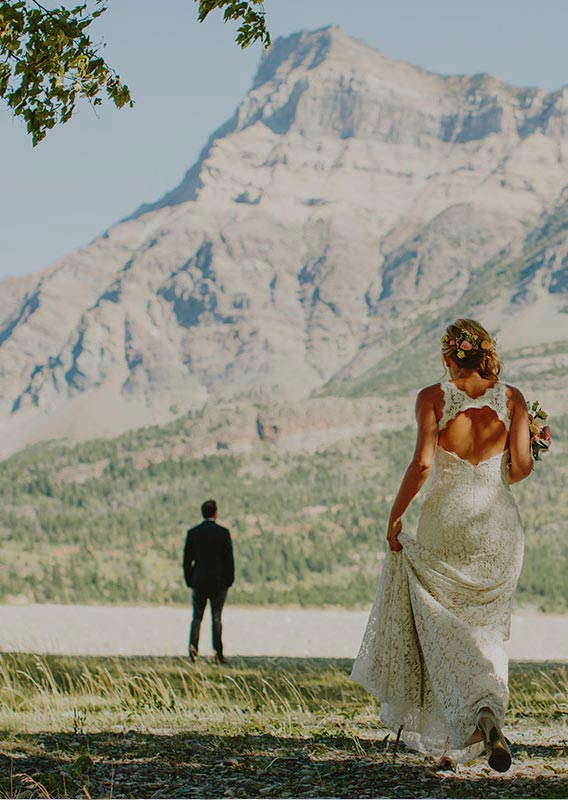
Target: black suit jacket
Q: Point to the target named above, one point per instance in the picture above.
(208, 561)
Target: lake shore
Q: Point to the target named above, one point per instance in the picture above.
(248, 631)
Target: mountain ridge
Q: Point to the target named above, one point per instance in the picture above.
(351, 203)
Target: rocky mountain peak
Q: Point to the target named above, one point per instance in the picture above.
(301, 50)
(351, 202)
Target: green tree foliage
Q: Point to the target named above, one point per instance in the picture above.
(250, 13)
(49, 59)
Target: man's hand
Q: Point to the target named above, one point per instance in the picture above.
(395, 528)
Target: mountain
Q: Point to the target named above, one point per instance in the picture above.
(348, 209)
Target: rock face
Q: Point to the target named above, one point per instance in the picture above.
(352, 204)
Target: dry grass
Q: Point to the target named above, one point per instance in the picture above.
(150, 727)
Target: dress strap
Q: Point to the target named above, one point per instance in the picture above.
(456, 401)
(452, 404)
(500, 404)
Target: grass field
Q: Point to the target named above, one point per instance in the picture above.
(150, 727)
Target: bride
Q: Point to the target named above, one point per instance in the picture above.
(433, 651)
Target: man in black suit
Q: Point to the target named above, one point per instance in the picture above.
(209, 569)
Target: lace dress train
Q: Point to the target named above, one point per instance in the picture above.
(432, 651)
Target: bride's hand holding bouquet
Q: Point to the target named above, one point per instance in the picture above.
(541, 438)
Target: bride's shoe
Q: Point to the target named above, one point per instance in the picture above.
(495, 743)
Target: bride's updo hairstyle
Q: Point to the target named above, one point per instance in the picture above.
(469, 345)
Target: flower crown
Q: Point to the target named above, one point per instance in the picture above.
(465, 343)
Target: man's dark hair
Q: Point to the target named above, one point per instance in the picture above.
(208, 508)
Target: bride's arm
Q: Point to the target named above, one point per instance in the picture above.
(519, 439)
(420, 466)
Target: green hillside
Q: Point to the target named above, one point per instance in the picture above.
(90, 524)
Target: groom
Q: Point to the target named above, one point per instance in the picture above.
(209, 569)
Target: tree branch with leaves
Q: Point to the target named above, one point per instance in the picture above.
(250, 13)
(49, 60)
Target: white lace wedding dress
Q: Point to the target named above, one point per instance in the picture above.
(433, 651)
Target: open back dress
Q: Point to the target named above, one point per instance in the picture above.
(432, 651)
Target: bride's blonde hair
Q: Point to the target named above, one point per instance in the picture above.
(469, 345)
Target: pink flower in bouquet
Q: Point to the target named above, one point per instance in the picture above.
(465, 345)
(545, 433)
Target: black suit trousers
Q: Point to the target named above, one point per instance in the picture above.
(216, 598)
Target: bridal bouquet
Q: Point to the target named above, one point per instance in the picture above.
(540, 433)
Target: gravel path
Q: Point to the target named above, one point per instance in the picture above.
(140, 630)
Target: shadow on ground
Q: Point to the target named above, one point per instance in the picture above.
(137, 765)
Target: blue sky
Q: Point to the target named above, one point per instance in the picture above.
(187, 78)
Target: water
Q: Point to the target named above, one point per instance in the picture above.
(144, 630)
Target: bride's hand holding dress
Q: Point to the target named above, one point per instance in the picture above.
(420, 466)
(394, 529)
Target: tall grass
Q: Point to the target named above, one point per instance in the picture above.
(282, 696)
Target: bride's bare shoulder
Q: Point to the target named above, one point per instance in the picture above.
(433, 389)
(430, 394)
(515, 395)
